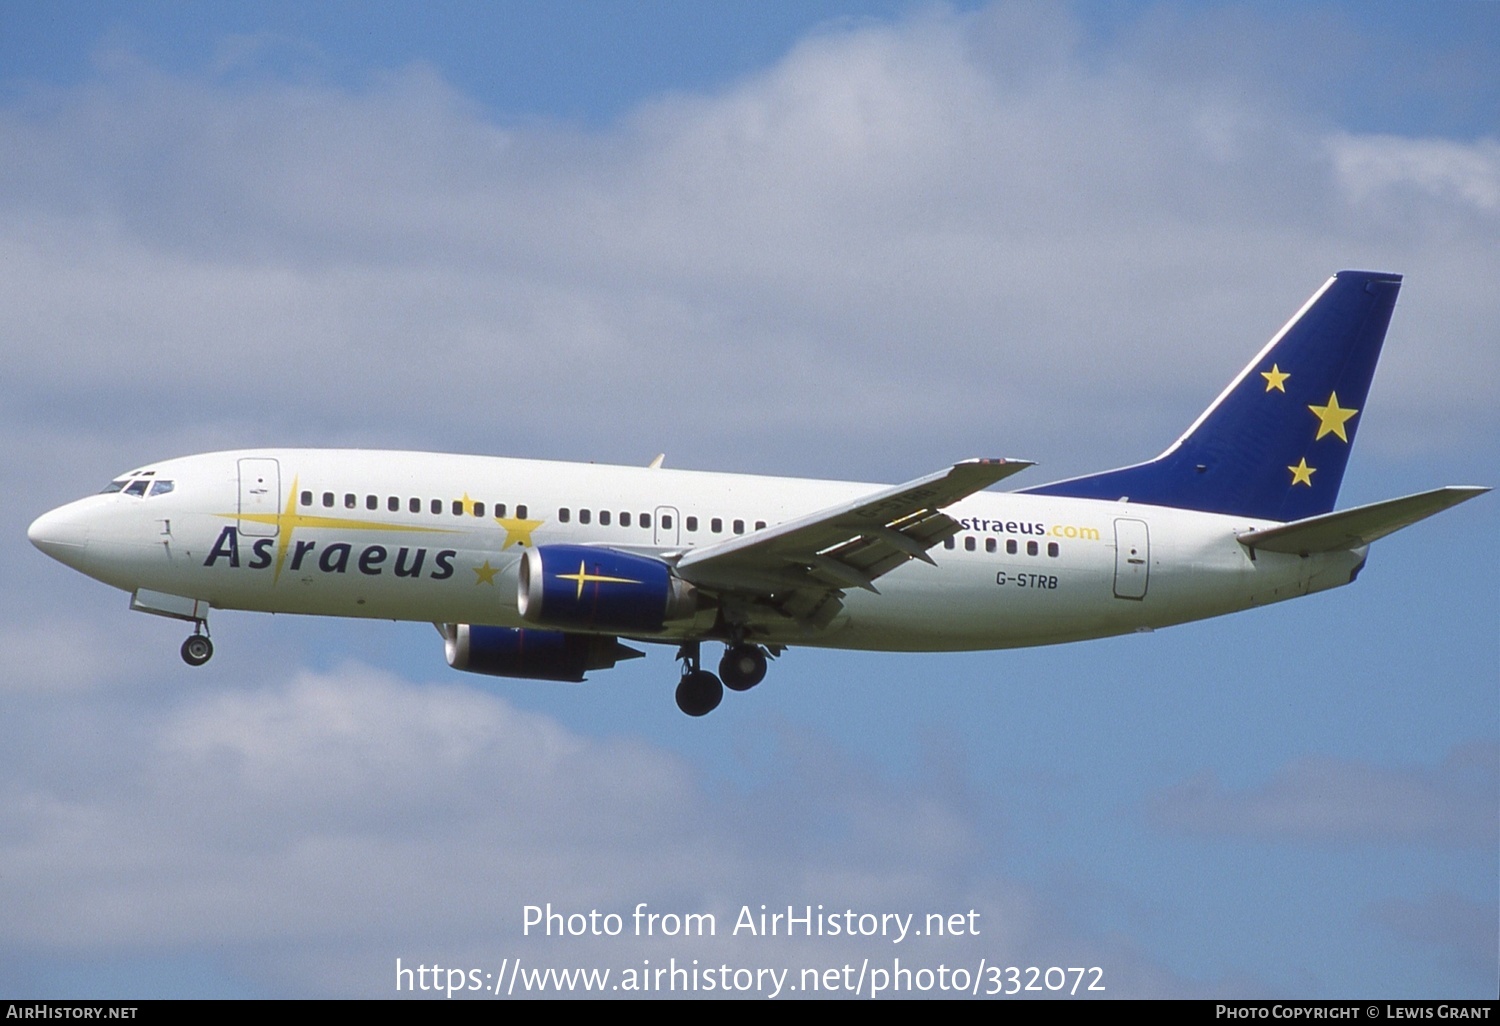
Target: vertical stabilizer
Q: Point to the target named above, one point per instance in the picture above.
(1274, 444)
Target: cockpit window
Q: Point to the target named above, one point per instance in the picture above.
(138, 486)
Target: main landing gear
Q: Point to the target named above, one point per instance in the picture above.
(700, 692)
(197, 649)
(743, 667)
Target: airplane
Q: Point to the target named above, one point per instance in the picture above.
(542, 570)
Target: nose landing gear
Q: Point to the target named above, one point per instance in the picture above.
(197, 649)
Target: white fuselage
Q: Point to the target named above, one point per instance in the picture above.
(424, 536)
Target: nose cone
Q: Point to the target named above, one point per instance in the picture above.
(62, 534)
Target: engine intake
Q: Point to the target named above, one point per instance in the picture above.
(599, 589)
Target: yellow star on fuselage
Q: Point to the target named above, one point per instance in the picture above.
(467, 505)
(517, 530)
(1331, 418)
(1302, 473)
(1275, 378)
(485, 574)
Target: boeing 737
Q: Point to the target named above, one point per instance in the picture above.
(540, 569)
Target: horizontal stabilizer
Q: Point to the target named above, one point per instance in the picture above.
(1351, 528)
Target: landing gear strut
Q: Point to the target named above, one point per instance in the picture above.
(699, 692)
(197, 649)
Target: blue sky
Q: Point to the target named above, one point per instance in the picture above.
(823, 239)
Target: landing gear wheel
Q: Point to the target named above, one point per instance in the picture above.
(699, 693)
(743, 667)
(197, 650)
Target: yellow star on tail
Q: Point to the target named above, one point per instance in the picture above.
(1331, 418)
(1275, 378)
(1302, 473)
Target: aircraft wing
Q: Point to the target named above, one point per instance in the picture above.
(803, 563)
(1361, 525)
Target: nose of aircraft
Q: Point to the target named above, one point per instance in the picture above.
(62, 534)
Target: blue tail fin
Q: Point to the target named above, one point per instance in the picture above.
(1274, 444)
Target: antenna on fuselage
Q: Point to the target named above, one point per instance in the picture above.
(656, 463)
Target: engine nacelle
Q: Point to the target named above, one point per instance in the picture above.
(538, 655)
(597, 589)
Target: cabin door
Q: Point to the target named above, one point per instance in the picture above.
(1132, 559)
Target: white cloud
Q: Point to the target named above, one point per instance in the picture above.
(893, 223)
(347, 817)
(1372, 168)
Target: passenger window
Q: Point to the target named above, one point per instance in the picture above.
(372, 502)
(645, 519)
(393, 504)
(564, 515)
(584, 516)
(947, 543)
(458, 507)
(350, 501)
(415, 505)
(479, 509)
(969, 544)
(328, 500)
(1031, 548)
(137, 488)
(739, 527)
(624, 519)
(990, 545)
(520, 512)
(307, 498)
(716, 525)
(666, 521)
(692, 523)
(436, 507)
(1052, 548)
(499, 509)
(1010, 546)
(760, 525)
(604, 518)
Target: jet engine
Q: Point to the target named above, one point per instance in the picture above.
(581, 587)
(535, 654)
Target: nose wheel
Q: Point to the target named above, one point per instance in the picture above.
(197, 649)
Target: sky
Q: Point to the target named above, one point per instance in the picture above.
(831, 240)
